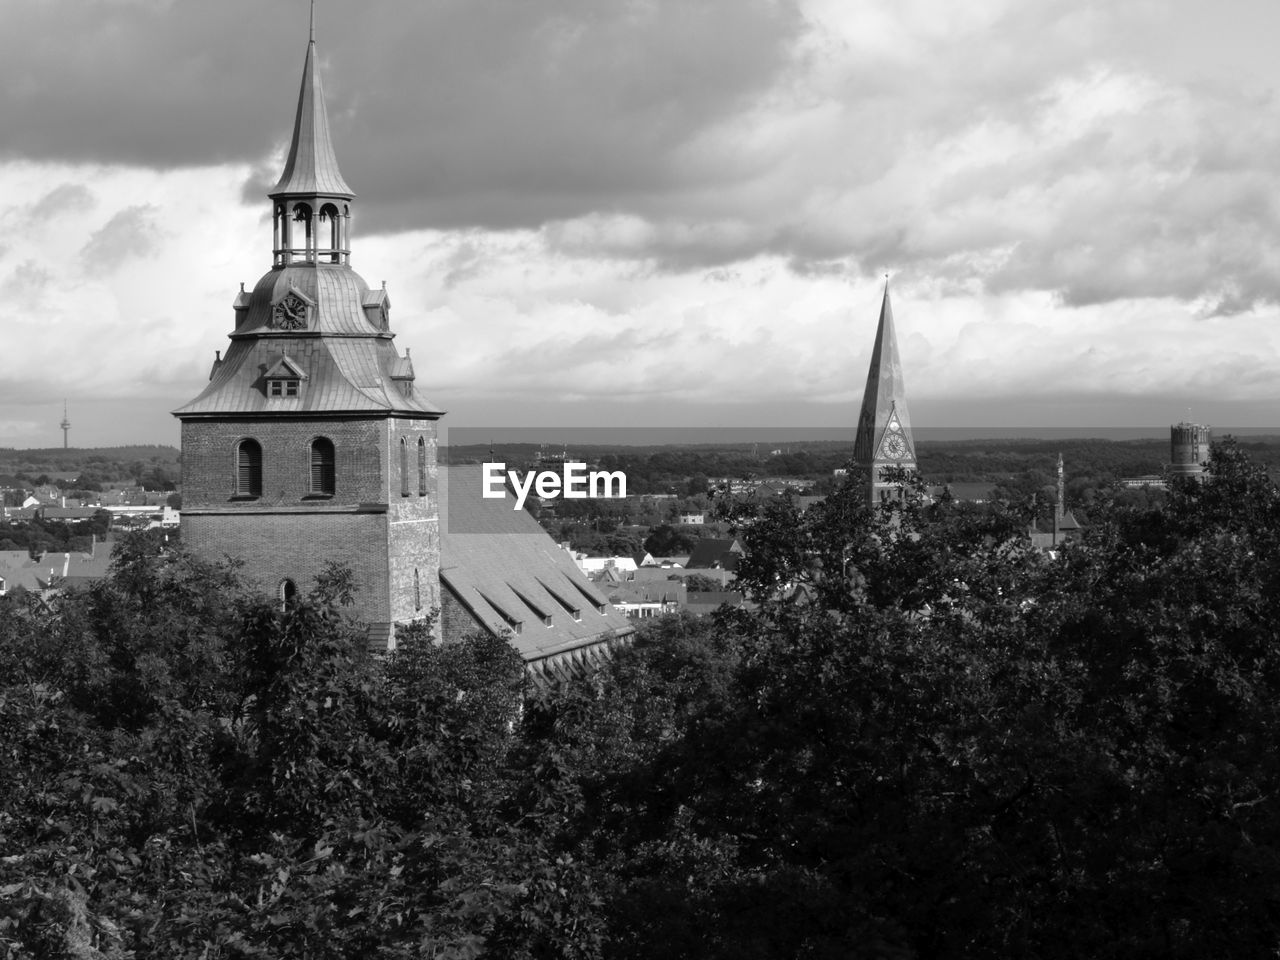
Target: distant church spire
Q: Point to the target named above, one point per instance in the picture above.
(884, 437)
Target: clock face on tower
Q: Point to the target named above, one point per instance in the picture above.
(894, 446)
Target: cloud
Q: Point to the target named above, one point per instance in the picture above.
(26, 284)
(64, 198)
(128, 234)
(996, 146)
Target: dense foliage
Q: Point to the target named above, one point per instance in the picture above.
(927, 740)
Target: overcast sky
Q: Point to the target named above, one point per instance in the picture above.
(662, 212)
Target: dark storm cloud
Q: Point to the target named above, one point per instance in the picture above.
(490, 113)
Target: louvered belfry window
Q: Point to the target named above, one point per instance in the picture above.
(422, 467)
(248, 468)
(323, 480)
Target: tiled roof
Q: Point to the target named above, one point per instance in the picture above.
(312, 166)
(69, 513)
(17, 569)
(511, 576)
(652, 591)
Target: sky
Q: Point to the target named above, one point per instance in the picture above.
(662, 212)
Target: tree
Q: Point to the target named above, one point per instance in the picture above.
(665, 540)
(930, 740)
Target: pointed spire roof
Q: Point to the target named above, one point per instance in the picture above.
(312, 166)
(885, 399)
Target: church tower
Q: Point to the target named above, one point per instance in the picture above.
(311, 442)
(884, 438)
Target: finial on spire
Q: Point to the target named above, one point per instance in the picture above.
(313, 21)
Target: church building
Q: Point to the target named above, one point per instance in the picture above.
(313, 443)
(884, 439)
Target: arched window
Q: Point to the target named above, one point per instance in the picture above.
(329, 214)
(322, 466)
(404, 467)
(302, 215)
(422, 467)
(248, 469)
(288, 593)
(417, 590)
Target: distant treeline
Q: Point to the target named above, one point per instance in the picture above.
(91, 468)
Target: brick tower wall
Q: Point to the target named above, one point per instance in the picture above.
(370, 524)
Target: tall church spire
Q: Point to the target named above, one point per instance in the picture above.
(884, 426)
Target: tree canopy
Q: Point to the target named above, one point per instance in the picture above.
(923, 739)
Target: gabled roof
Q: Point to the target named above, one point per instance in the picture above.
(285, 367)
(510, 576)
(311, 167)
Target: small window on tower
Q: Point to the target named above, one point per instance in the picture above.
(248, 480)
(404, 467)
(283, 388)
(422, 467)
(323, 473)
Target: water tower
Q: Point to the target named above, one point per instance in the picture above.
(1188, 449)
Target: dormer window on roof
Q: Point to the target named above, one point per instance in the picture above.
(284, 379)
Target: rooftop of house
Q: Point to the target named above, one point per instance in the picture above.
(714, 553)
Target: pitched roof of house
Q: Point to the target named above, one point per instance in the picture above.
(648, 591)
(511, 575)
(708, 600)
(17, 569)
(69, 513)
(712, 552)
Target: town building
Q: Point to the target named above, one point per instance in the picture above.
(1064, 525)
(313, 443)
